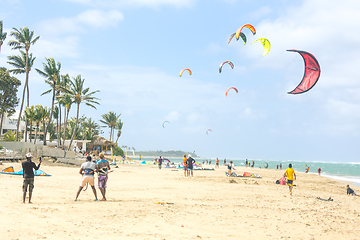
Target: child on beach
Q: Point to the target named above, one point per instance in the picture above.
(291, 176)
(349, 191)
(230, 167)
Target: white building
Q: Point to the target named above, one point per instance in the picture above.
(10, 123)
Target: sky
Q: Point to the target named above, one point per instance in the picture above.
(132, 51)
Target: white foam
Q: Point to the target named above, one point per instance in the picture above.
(354, 180)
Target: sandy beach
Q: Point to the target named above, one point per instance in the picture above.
(206, 206)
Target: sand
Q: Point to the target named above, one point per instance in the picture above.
(206, 206)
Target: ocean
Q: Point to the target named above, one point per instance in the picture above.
(346, 171)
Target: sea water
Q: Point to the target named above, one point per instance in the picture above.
(346, 171)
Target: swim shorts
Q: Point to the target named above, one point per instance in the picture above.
(290, 182)
(185, 167)
(28, 182)
(190, 168)
(102, 181)
(85, 180)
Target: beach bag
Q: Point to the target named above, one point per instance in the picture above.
(277, 182)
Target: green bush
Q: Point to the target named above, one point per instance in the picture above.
(118, 151)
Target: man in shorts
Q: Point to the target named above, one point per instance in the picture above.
(87, 170)
(28, 175)
(103, 168)
(291, 176)
(190, 161)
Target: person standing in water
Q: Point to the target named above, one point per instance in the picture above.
(28, 175)
(291, 177)
(103, 168)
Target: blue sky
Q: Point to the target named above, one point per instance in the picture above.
(133, 51)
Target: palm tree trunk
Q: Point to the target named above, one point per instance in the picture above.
(26, 126)
(23, 97)
(1, 123)
(37, 129)
(76, 123)
(65, 124)
(30, 131)
(59, 127)
(21, 108)
(118, 135)
(51, 113)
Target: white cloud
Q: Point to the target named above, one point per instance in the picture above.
(85, 20)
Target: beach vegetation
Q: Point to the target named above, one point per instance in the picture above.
(29, 114)
(118, 126)
(24, 38)
(79, 94)
(11, 136)
(8, 94)
(2, 35)
(110, 119)
(52, 74)
(19, 64)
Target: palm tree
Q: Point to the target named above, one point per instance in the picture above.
(30, 116)
(56, 116)
(66, 101)
(79, 94)
(52, 74)
(19, 62)
(39, 111)
(118, 126)
(2, 35)
(110, 120)
(24, 39)
(44, 118)
(63, 86)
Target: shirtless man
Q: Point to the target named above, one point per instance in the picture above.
(103, 167)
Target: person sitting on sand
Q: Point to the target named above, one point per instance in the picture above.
(103, 167)
(349, 191)
(87, 171)
(230, 167)
(291, 176)
(28, 175)
(190, 161)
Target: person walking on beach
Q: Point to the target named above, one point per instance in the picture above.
(103, 168)
(253, 163)
(186, 172)
(349, 191)
(246, 163)
(280, 166)
(224, 161)
(319, 171)
(190, 161)
(217, 163)
(230, 167)
(160, 160)
(28, 175)
(291, 177)
(87, 170)
(307, 169)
